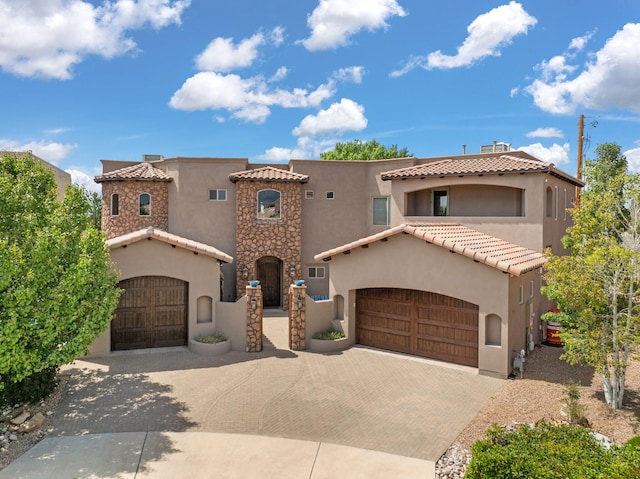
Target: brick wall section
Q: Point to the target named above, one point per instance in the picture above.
(256, 238)
(129, 218)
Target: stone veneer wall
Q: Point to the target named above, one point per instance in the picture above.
(256, 238)
(129, 218)
(254, 319)
(297, 318)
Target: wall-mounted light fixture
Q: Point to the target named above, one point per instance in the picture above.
(299, 301)
(245, 271)
(292, 271)
(254, 303)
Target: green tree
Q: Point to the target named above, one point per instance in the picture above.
(597, 286)
(57, 293)
(357, 150)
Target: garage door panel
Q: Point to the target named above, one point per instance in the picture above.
(151, 313)
(418, 322)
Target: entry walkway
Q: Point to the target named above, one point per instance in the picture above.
(383, 405)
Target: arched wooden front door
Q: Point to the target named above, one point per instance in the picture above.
(270, 276)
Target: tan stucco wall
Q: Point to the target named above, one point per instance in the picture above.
(156, 258)
(406, 262)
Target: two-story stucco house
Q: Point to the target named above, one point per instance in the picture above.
(438, 257)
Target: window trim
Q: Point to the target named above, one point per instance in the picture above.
(521, 294)
(258, 212)
(114, 206)
(308, 195)
(388, 208)
(437, 193)
(140, 205)
(316, 270)
(218, 191)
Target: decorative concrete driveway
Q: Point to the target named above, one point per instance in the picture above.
(360, 397)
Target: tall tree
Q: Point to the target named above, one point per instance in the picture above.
(57, 293)
(597, 286)
(357, 150)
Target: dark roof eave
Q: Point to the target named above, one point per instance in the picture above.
(473, 173)
(97, 179)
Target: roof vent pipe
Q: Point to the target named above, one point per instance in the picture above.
(464, 149)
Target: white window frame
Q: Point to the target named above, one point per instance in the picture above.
(331, 195)
(532, 289)
(316, 270)
(308, 195)
(217, 194)
(373, 210)
(521, 294)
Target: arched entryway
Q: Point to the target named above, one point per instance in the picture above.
(270, 276)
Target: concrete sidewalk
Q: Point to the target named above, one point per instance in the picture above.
(196, 455)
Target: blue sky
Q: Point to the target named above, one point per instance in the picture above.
(83, 80)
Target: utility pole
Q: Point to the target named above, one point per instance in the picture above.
(580, 143)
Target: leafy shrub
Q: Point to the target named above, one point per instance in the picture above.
(575, 410)
(633, 442)
(549, 452)
(329, 334)
(30, 390)
(214, 338)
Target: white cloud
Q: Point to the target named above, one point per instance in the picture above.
(222, 55)
(57, 131)
(333, 22)
(81, 178)
(279, 75)
(344, 116)
(610, 80)
(46, 38)
(578, 43)
(545, 133)
(556, 154)
(251, 99)
(51, 152)
(305, 148)
(488, 33)
(633, 159)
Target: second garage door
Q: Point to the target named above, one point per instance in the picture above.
(418, 322)
(152, 313)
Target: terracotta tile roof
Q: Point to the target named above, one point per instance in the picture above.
(140, 172)
(169, 238)
(269, 173)
(481, 247)
(485, 165)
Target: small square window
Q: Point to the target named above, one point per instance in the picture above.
(218, 195)
(330, 195)
(308, 194)
(316, 272)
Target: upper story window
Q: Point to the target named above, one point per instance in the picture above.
(316, 272)
(331, 195)
(549, 201)
(308, 194)
(440, 203)
(381, 211)
(115, 200)
(269, 202)
(145, 204)
(217, 195)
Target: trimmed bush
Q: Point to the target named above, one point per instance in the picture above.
(549, 451)
(329, 334)
(211, 338)
(32, 389)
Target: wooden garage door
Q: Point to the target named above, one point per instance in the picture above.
(417, 322)
(152, 313)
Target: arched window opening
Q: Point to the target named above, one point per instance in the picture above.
(549, 202)
(493, 330)
(145, 204)
(269, 202)
(115, 199)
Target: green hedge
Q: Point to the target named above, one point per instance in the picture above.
(549, 451)
(30, 390)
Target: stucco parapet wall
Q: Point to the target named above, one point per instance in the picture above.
(483, 248)
(169, 238)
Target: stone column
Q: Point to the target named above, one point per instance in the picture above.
(297, 318)
(254, 319)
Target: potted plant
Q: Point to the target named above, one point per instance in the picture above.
(210, 344)
(328, 341)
